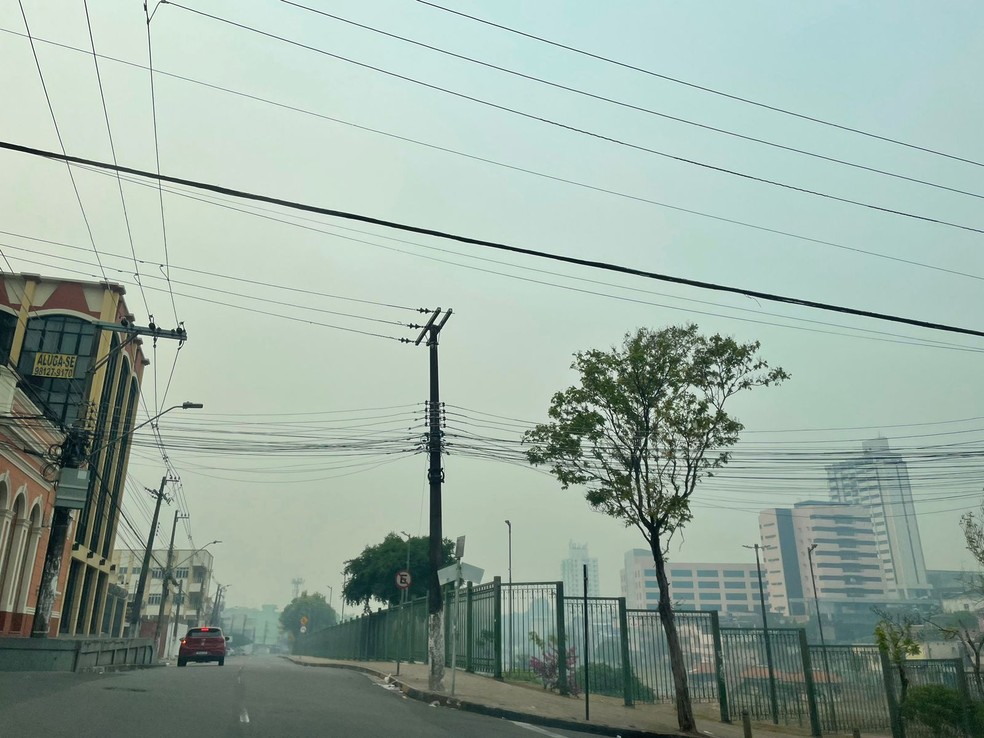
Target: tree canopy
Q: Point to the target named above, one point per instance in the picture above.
(314, 607)
(643, 425)
(372, 574)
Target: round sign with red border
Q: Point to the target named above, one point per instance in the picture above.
(403, 579)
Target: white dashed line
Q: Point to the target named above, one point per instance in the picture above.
(244, 716)
(537, 729)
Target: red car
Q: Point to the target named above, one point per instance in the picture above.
(203, 644)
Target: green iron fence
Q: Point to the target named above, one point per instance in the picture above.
(825, 690)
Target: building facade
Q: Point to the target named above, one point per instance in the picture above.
(188, 604)
(879, 482)
(59, 346)
(27, 498)
(731, 589)
(572, 572)
(846, 565)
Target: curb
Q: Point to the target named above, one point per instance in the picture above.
(498, 712)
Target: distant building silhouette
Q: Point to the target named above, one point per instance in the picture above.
(878, 481)
(572, 572)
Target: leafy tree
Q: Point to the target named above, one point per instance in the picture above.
(372, 574)
(319, 613)
(643, 426)
(969, 633)
(895, 638)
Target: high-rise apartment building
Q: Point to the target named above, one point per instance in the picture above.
(572, 572)
(846, 564)
(878, 481)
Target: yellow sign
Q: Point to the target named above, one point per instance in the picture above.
(60, 366)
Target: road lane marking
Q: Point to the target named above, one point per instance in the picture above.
(537, 729)
(244, 716)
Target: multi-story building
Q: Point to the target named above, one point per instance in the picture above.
(27, 497)
(726, 588)
(845, 559)
(572, 572)
(58, 348)
(878, 481)
(187, 604)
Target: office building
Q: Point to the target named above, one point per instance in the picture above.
(878, 481)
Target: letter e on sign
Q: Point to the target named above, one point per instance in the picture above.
(403, 579)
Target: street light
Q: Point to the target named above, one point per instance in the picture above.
(509, 525)
(182, 406)
(768, 644)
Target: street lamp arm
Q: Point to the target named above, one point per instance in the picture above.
(182, 406)
(192, 555)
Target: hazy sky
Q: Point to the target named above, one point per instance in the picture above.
(279, 464)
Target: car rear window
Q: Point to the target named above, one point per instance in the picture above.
(204, 633)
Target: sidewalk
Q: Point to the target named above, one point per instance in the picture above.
(532, 704)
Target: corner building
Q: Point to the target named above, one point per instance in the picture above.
(78, 373)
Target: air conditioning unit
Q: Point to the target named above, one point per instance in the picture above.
(73, 488)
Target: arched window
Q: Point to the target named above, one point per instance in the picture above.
(31, 541)
(54, 363)
(14, 554)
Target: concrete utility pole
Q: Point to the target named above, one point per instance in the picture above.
(145, 567)
(435, 476)
(166, 581)
(72, 454)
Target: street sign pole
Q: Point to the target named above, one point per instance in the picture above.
(403, 582)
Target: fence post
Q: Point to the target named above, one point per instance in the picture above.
(469, 630)
(811, 688)
(893, 701)
(562, 642)
(497, 626)
(623, 627)
(722, 687)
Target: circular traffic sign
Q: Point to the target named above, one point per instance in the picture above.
(304, 620)
(403, 579)
(303, 629)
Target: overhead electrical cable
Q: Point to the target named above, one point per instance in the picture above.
(61, 143)
(865, 333)
(112, 149)
(584, 131)
(157, 151)
(703, 88)
(606, 266)
(516, 168)
(631, 106)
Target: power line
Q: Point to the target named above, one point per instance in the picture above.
(157, 156)
(738, 98)
(61, 143)
(586, 132)
(515, 168)
(606, 266)
(112, 148)
(631, 106)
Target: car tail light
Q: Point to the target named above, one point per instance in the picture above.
(183, 641)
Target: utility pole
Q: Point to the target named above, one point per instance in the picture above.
(773, 697)
(823, 644)
(145, 568)
(71, 454)
(166, 581)
(435, 476)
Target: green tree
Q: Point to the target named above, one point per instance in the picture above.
(314, 607)
(969, 633)
(643, 426)
(372, 574)
(894, 635)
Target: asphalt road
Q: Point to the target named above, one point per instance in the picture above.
(248, 697)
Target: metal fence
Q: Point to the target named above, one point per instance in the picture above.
(511, 631)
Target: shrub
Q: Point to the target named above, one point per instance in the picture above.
(941, 709)
(546, 667)
(604, 679)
